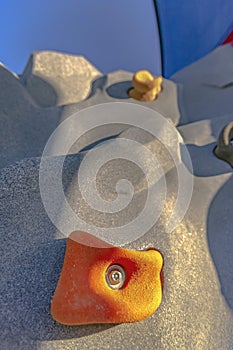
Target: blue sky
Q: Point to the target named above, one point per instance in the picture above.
(112, 34)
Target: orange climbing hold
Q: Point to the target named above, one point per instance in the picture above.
(100, 283)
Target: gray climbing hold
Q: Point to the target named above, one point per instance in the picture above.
(54, 78)
(224, 148)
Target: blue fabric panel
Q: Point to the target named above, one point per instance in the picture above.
(190, 29)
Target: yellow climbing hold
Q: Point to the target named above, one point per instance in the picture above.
(146, 87)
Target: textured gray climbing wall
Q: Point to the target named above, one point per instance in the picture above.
(196, 312)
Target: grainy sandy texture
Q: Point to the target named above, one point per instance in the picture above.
(196, 312)
(26, 124)
(193, 306)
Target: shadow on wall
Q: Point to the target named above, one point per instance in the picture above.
(43, 93)
(25, 127)
(220, 237)
(32, 260)
(205, 163)
(117, 90)
(34, 282)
